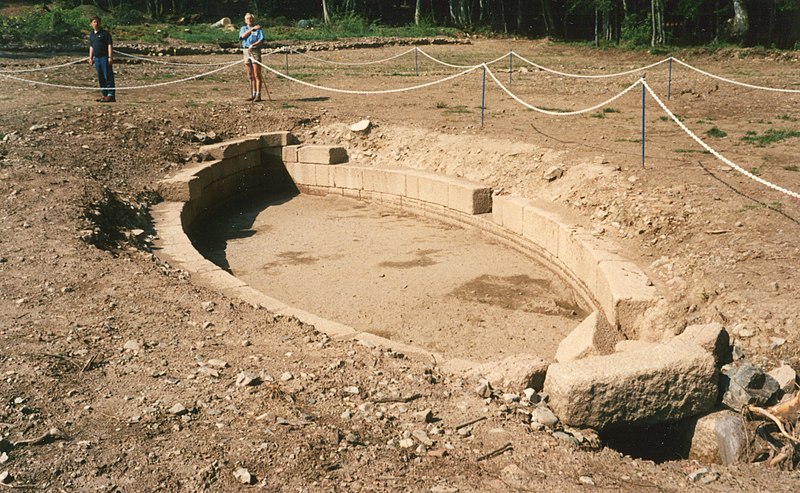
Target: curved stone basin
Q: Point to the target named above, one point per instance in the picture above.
(660, 382)
(447, 289)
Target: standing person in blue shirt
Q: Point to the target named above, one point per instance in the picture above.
(100, 48)
(252, 38)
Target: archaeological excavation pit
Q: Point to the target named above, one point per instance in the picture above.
(413, 260)
(444, 288)
(489, 286)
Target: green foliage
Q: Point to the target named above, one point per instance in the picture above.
(770, 136)
(786, 118)
(691, 151)
(44, 26)
(636, 30)
(716, 132)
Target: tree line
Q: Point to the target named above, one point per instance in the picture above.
(770, 23)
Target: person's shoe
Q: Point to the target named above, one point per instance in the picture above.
(257, 98)
(111, 99)
(101, 99)
(250, 98)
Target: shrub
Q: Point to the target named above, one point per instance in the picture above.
(636, 30)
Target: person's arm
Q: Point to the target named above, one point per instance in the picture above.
(259, 38)
(91, 54)
(110, 47)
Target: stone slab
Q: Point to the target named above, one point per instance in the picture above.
(591, 337)
(469, 198)
(639, 388)
(319, 154)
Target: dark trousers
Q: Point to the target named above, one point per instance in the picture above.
(105, 75)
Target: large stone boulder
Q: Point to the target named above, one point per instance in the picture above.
(718, 438)
(658, 384)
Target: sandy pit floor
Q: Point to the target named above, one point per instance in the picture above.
(400, 276)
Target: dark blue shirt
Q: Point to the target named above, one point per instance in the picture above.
(100, 41)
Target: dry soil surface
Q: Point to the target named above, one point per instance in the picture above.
(133, 367)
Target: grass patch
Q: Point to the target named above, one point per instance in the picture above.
(770, 136)
(791, 167)
(755, 171)
(287, 106)
(786, 117)
(716, 132)
(691, 151)
(777, 206)
(599, 114)
(457, 109)
(610, 110)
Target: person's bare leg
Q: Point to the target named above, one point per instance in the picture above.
(248, 67)
(258, 82)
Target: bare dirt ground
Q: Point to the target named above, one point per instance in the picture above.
(134, 367)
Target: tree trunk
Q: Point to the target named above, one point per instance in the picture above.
(547, 14)
(417, 12)
(657, 15)
(325, 18)
(596, 28)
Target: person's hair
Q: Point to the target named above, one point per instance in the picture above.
(95, 18)
(249, 15)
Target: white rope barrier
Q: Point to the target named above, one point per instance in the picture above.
(292, 50)
(502, 57)
(560, 113)
(714, 152)
(39, 69)
(164, 62)
(731, 81)
(129, 88)
(581, 76)
(349, 91)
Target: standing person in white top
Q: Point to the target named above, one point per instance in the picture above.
(252, 38)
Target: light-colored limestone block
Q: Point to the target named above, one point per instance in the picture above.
(289, 154)
(347, 177)
(276, 139)
(317, 154)
(469, 198)
(591, 337)
(231, 148)
(394, 183)
(512, 212)
(639, 388)
(433, 189)
(543, 228)
(302, 173)
(323, 176)
(623, 292)
(713, 338)
(633, 345)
